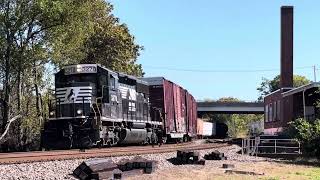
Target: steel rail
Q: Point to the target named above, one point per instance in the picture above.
(13, 158)
(76, 151)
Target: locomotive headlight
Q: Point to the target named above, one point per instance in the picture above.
(79, 111)
(51, 113)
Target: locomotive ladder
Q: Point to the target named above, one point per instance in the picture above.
(96, 110)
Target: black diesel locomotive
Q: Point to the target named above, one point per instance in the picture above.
(95, 106)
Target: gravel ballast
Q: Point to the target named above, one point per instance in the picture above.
(63, 169)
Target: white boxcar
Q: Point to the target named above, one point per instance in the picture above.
(209, 129)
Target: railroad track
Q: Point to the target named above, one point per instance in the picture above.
(38, 156)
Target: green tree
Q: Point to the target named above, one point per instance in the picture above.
(229, 99)
(268, 86)
(238, 124)
(108, 42)
(38, 35)
(208, 100)
(308, 133)
(23, 26)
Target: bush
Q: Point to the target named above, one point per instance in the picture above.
(308, 133)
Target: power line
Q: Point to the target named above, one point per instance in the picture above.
(222, 70)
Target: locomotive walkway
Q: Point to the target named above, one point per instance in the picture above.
(38, 156)
(230, 107)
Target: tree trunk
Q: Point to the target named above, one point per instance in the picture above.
(6, 105)
(19, 83)
(6, 129)
(38, 95)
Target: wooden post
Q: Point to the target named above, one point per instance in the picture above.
(248, 145)
(242, 143)
(304, 104)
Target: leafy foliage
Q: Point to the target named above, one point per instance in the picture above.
(268, 86)
(238, 124)
(228, 99)
(308, 133)
(37, 36)
(103, 40)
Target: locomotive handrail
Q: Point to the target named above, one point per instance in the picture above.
(94, 111)
(97, 104)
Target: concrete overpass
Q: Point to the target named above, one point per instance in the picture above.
(230, 107)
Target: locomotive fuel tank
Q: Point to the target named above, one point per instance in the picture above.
(132, 136)
(138, 125)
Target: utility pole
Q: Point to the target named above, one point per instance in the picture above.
(315, 73)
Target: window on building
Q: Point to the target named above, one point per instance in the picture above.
(278, 110)
(270, 112)
(266, 114)
(274, 111)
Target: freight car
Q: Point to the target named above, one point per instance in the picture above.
(211, 129)
(95, 106)
(205, 129)
(174, 104)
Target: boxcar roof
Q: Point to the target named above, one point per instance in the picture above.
(153, 80)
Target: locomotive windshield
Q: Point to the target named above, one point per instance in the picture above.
(63, 80)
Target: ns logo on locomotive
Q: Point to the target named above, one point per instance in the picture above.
(95, 106)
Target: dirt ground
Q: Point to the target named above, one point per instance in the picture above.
(271, 171)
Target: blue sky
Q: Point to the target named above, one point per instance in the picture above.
(225, 35)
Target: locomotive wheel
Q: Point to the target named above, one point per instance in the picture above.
(100, 144)
(185, 139)
(154, 138)
(86, 142)
(68, 143)
(164, 140)
(65, 143)
(109, 145)
(148, 140)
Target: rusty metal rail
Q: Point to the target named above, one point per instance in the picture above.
(38, 156)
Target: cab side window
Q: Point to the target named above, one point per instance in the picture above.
(104, 93)
(112, 82)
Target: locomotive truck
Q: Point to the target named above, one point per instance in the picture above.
(95, 106)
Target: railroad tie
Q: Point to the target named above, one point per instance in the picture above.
(106, 169)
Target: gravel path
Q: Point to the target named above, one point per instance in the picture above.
(63, 169)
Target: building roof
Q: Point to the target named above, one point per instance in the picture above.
(279, 90)
(301, 89)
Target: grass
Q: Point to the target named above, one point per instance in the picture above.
(310, 173)
(272, 171)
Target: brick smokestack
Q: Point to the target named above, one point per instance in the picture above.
(286, 77)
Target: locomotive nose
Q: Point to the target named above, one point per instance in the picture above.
(73, 101)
